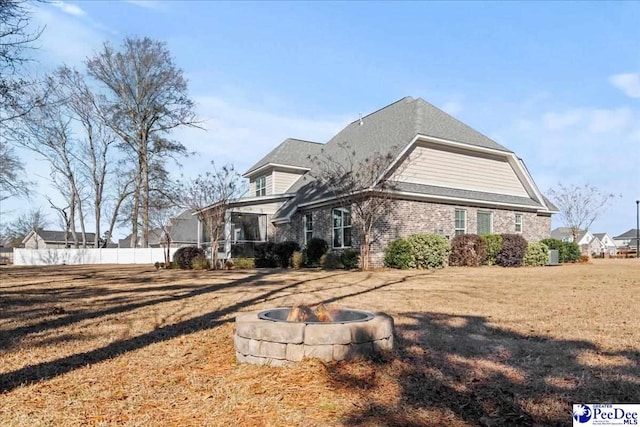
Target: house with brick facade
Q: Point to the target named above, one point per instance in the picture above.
(447, 179)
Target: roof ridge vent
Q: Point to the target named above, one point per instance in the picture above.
(360, 122)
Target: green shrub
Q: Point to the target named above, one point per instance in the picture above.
(570, 252)
(494, 246)
(229, 264)
(398, 255)
(350, 259)
(429, 250)
(331, 261)
(284, 251)
(297, 259)
(316, 247)
(468, 250)
(514, 246)
(244, 263)
(266, 256)
(185, 255)
(200, 262)
(537, 254)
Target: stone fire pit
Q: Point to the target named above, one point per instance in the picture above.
(266, 337)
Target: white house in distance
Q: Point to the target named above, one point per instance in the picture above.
(607, 245)
(447, 179)
(51, 239)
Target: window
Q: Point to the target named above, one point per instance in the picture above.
(461, 222)
(341, 228)
(485, 223)
(518, 223)
(261, 186)
(308, 228)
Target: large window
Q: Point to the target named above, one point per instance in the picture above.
(518, 223)
(461, 222)
(485, 223)
(308, 228)
(261, 186)
(341, 228)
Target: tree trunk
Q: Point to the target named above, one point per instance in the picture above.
(134, 215)
(145, 197)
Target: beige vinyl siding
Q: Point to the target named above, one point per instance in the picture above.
(466, 171)
(283, 181)
(263, 208)
(252, 188)
(269, 184)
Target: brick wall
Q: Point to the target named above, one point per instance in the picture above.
(409, 217)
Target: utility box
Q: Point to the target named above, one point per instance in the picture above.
(554, 257)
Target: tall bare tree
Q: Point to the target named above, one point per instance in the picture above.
(12, 182)
(362, 186)
(146, 98)
(579, 206)
(208, 196)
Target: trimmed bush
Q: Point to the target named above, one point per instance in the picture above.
(494, 246)
(185, 255)
(316, 247)
(331, 261)
(243, 263)
(468, 250)
(266, 256)
(200, 262)
(514, 246)
(537, 254)
(398, 255)
(570, 252)
(350, 259)
(297, 259)
(429, 250)
(284, 251)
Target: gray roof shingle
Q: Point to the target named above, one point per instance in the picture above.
(58, 236)
(291, 152)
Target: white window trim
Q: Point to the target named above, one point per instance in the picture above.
(304, 226)
(343, 227)
(455, 220)
(490, 221)
(263, 188)
(521, 224)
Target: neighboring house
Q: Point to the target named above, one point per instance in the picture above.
(589, 244)
(448, 179)
(607, 245)
(50, 239)
(183, 229)
(627, 239)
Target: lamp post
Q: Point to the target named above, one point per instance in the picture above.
(637, 228)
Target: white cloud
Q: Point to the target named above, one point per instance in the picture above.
(560, 121)
(452, 107)
(243, 135)
(609, 120)
(147, 4)
(629, 83)
(68, 8)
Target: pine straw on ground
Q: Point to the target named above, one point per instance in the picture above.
(114, 345)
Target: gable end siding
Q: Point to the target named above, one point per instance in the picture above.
(454, 169)
(282, 181)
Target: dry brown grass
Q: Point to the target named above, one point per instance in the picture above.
(116, 345)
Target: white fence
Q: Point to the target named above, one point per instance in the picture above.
(89, 256)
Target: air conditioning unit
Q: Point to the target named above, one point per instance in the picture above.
(554, 257)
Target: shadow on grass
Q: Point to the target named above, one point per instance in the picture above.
(460, 370)
(44, 370)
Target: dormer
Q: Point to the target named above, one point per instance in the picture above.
(277, 171)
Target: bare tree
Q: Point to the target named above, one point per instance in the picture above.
(362, 187)
(208, 196)
(146, 98)
(11, 173)
(579, 206)
(22, 225)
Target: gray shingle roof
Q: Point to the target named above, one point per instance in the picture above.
(58, 236)
(631, 234)
(291, 152)
(432, 190)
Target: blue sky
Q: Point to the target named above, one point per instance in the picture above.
(558, 83)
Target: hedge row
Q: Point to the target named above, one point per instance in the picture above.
(507, 250)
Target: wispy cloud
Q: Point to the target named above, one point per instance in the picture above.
(629, 83)
(68, 8)
(147, 4)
